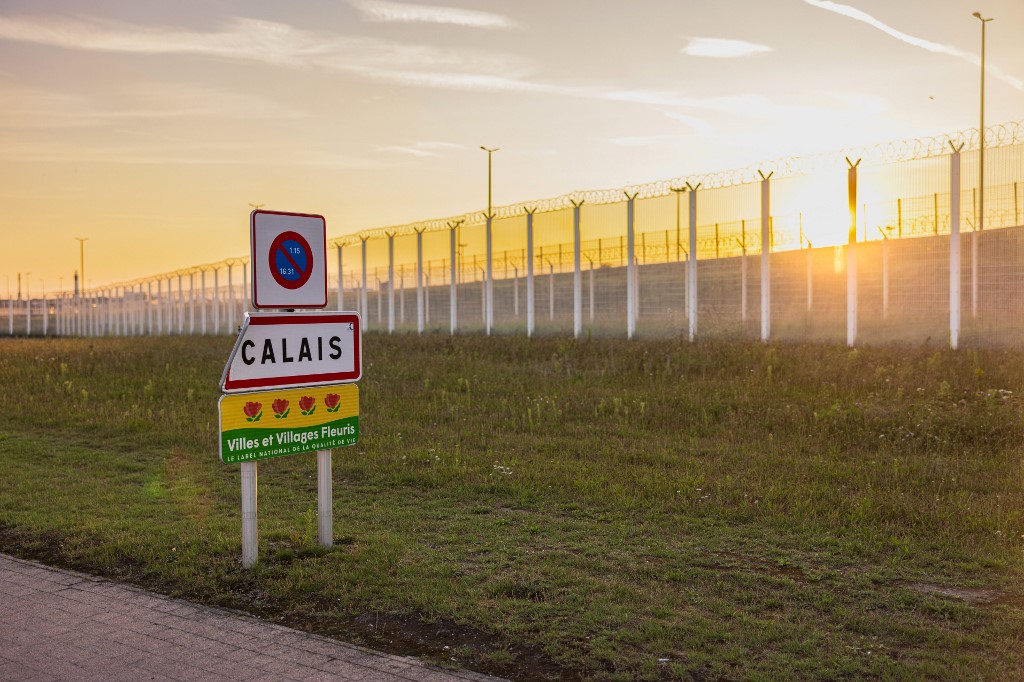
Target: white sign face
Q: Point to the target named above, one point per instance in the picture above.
(289, 260)
(292, 350)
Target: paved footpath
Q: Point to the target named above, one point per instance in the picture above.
(63, 625)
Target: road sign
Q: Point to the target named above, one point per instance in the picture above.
(283, 350)
(289, 260)
(276, 423)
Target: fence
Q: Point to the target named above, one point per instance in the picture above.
(891, 243)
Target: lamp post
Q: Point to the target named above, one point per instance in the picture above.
(489, 153)
(981, 130)
(81, 256)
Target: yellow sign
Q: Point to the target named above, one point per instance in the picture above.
(268, 424)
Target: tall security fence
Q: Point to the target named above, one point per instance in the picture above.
(892, 243)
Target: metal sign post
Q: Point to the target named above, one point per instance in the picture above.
(306, 360)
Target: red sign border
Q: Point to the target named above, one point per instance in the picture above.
(252, 259)
(297, 380)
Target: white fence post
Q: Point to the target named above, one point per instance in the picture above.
(577, 280)
(691, 272)
(766, 251)
(489, 276)
(341, 282)
(631, 299)
(419, 282)
(885, 276)
(391, 283)
(216, 301)
(230, 317)
(453, 296)
(529, 272)
(202, 297)
(851, 255)
(954, 247)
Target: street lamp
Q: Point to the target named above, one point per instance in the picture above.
(81, 256)
(981, 129)
(489, 152)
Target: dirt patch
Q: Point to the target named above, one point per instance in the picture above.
(973, 595)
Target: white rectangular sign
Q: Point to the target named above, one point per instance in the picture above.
(289, 260)
(291, 350)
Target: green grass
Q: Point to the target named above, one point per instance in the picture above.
(550, 508)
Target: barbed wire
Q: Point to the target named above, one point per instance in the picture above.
(998, 135)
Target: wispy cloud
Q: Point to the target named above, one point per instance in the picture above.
(30, 108)
(254, 40)
(280, 45)
(938, 48)
(698, 124)
(400, 12)
(722, 47)
(643, 140)
(422, 149)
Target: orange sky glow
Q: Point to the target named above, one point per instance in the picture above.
(150, 128)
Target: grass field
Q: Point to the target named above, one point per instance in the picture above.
(555, 509)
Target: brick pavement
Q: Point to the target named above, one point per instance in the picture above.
(63, 625)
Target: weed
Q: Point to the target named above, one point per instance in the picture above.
(614, 510)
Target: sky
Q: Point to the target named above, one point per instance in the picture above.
(150, 128)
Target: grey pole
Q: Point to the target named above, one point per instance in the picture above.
(980, 225)
(981, 130)
(678, 191)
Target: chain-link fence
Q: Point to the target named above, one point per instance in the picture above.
(748, 253)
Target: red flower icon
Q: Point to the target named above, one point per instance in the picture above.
(280, 408)
(307, 404)
(332, 401)
(253, 411)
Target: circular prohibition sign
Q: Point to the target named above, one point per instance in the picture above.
(291, 260)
